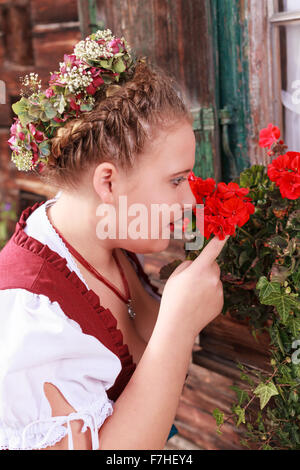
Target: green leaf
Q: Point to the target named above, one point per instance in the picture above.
(267, 289)
(294, 324)
(240, 412)
(50, 111)
(270, 294)
(86, 107)
(3, 230)
(44, 148)
(245, 443)
(24, 118)
(265, 392)
(20, 107)
(279, 342)
(246, 378)
(119, 66)
(62, 104)
(219, 416)
(242, 395)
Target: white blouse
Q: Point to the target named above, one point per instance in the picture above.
(38, 344)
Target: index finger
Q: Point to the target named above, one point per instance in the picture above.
(211, 251)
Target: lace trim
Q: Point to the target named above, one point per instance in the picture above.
(40, 434)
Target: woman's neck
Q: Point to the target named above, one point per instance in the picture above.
(75, 218)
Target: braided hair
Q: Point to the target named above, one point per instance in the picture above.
(119, 127)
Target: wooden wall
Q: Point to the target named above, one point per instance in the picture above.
(34, 35)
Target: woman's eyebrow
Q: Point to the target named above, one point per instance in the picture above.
(180, 172)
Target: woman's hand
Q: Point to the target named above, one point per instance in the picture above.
(193, 294)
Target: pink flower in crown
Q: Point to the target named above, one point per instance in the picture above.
(95, 71)
(70, 61)
(92, 88)
(13, 143)
(38, 136)
(49, 92)
(57, 119)
(34, 147)
(114, 44)
(74, 106)
(54, 80)
(14, 126)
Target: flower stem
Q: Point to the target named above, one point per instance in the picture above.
(247, 234)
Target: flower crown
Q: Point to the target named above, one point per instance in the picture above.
(101, 59)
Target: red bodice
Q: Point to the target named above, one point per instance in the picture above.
(28, 264)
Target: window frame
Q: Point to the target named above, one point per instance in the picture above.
(276, 19)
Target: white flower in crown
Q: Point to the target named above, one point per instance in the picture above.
(101, 59)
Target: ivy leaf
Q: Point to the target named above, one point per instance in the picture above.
(245, 443)
(242, 395)
(267, 288)
(294, 324)
(240, 412)
(265, 392)
(270, 294)
(247, 378)
(284, 305)
(219, 416)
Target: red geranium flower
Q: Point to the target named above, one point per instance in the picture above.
(278, 167)
(201, 188)
(230, 190)
(225, 206)
(236, 210)
(268, 136)
(290, 186)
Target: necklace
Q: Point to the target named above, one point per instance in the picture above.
(125, 298)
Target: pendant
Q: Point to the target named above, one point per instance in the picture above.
(131, 312)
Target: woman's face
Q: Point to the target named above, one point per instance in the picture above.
(160, 178)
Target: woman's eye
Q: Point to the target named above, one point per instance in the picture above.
(179, 180)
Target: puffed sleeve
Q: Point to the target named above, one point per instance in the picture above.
(38, 344)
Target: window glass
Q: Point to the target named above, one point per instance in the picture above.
(290, 70)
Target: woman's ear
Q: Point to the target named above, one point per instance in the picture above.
(103, 179)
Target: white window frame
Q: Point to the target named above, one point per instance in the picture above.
(276, 19)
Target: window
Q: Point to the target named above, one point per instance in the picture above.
(285, 28)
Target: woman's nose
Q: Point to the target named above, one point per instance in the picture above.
(189, 198)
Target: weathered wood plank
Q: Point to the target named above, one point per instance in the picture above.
(178, 37)
(261, 84)
(45, 42)
(53, 11)
(231, 339)
(16, 27)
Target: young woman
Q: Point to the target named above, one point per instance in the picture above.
(92, 357)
